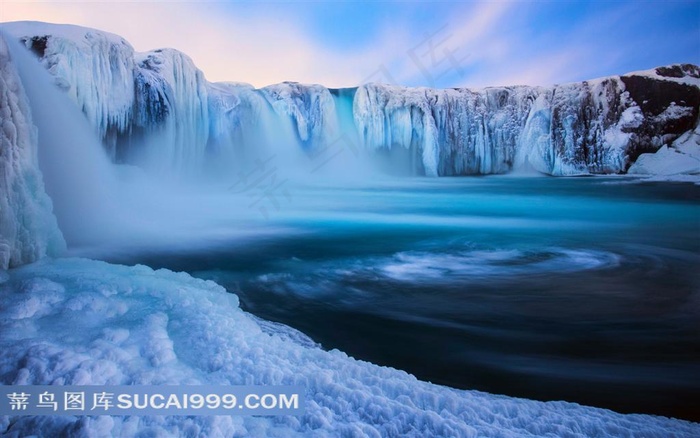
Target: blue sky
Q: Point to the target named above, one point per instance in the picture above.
(441, 44)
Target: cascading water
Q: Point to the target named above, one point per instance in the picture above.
(78, 175)
(28, 227)
(98, 203)
(253, 147)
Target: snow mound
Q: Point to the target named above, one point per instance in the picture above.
(75, 321)
(687, 74)
(681, 158)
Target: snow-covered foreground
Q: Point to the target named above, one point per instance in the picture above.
(76, 321)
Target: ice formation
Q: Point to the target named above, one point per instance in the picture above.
(682, 157)
(28, 229)
(156, 108)
(311, 107)
(139, 326)
(76, 57)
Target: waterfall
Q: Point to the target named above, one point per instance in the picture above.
(78, 175)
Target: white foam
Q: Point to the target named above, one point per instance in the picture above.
(409, 266)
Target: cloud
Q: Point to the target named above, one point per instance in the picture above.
(258, 49)
(543, 45)
(471, 44)
(454, 45)
(271, 46)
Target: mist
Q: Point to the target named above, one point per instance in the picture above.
(237, 191)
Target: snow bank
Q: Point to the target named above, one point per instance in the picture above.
(686, 74)
(28, 228)
(75, 321)
(681, 158)
(666, 161)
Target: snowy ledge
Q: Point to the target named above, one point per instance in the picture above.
(678, 162)
(76, 321)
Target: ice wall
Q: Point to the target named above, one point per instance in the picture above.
(172, 105)
(150, 108)
(453, 132)
(96, 69)
(593, 127)
(28, 228)
(310, 107)
(156, 109)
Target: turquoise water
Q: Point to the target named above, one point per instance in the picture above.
(581, 289)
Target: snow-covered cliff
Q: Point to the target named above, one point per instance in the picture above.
(593, 127)
(96, 69)
(28, 228)
(157, 109)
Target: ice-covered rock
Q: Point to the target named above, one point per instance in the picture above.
(82, 322)
(311, 107)
(157, 96)
(173, 108)
(28, 228)
(95, 68)
(593, 127)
